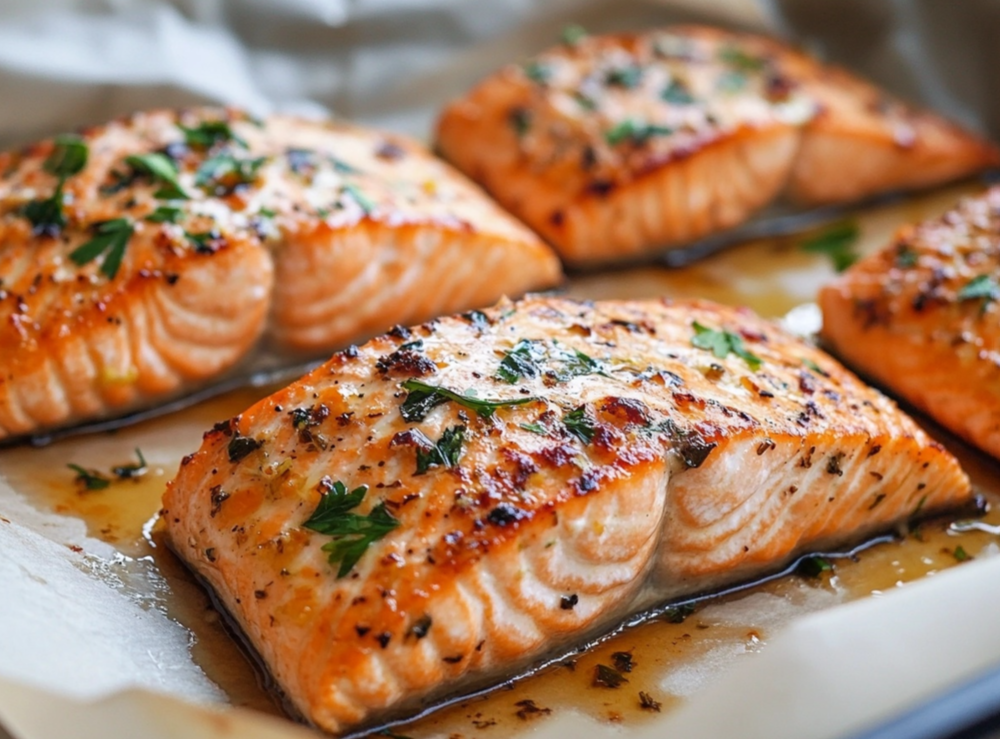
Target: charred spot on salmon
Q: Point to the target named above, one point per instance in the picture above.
(223, 174)
(765, 446)
(568, 602)
(690, 446)
(445, 453)
(580, 424)
(110, 239)
(722, 344)
(406, 361)
(623, 661)
(241, 446)
(608, 677)
(68, 158)
(89, 479)
(633, 412)
(520, 121)
(678, 614)
(814, 566)
(878, 499)
(209, 133)
(833, 464)
(506, 514)
(647, 703)
(352, 533)
(421, 398)
(528, 708)
(131, 471)
(161, 169)
(217, 497)
(210, 554)
(421, 627)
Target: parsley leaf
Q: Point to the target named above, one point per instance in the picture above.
(960, 554)
(521, 361)
(535, 428)
(207, 134)
(67, 158)
(537, 72)
(111, 239)
(352, 534)
(90, 479)
(422, 397)
(906, 258)
(161, 169)
(364, 202)
(677, 93)
(580, 425)
(635, 131)
(131, 471)
(837, 242)
(982, 288)
(573, 34)
(736, 57)
(628, 77)
(723, 343)
(165, 214)
(445, 453)
(224, 173)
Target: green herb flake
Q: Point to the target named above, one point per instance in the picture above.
(110, 240)
(736, 57)
(242, 446)
(960, 554)
(628, 77)
(132, 471)
(809, 364)
(352, 533)
(89, 479)
(573, 34)
(814, 566)
(579, 424)
(677, 93)
(161, 169)
(209, 133)
(364, 202)
(537, 72)
(723, 343)
(634, 131)
(521, 361)
(224, 174)
(982, 288)
(422, 397)
(906, 258)
(837, 242)
(608, 677)
(445, 453)
(731, 82)
(165, 214)
(67, 158)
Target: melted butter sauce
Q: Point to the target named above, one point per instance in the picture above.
(773, 277)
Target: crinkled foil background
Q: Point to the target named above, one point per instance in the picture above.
(81, 656)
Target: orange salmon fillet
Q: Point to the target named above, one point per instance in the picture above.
(614, 146)
(181, 238)
(920, 318)
(436, 510)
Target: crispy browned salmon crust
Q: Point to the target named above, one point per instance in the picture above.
(921, 318)
(612, 146)
(141, 258)
(440, 507)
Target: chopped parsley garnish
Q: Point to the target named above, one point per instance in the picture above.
(677, 93)
(242, 446)
(132, 471)
(573, 34)
(577, 364)
(422, 397)
(906, 258)
(89, 479)
(225, 173)
(161, 169)
(165, 214)
(814, 566)
(445, 453)
(537, 72)
(110, 240)
(579, 424)
(723, 343)
(814, 367)
(608, 677)
(208, 134)
(352, 533)
(67, 158)
(736, 57)
(836, 242)
(521, 361)
(731, 81)
(535, 428)
(627, 77)
(364, 202)
(960, 554)
(635, 131)
(982, 288)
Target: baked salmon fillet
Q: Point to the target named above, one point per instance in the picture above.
(614, 146)
(142, 258)
(920, 318)
(432, 512)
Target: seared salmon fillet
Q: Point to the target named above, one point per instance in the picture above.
(613, 146)
(920, 318)
(432, 512)
(141, 258)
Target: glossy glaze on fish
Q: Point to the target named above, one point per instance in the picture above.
(145, 257)
(921, 318)
(614, 146)
(437, 509)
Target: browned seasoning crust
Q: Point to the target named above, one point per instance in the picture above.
(607, 446)
(611, 146)
(921, 318)
(177, 239)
